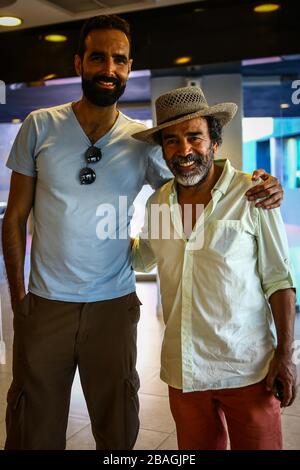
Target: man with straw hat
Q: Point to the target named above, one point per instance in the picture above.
(227, 291)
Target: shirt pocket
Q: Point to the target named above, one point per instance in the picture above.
(229, 239)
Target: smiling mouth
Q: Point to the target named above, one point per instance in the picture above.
(104, 84)
(186, 166)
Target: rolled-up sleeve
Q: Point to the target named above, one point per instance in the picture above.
(273, 255)
(143, 258)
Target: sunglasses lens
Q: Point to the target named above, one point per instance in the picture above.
(93, 155)
(87, 176)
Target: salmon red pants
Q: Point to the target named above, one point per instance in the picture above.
(249, 415)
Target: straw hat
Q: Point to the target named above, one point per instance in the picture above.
(182, 104)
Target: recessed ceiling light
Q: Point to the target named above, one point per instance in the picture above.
(266, 7)
(10, 21)
(50, 76)
(284, 105)
(182, 60)
(55, 38)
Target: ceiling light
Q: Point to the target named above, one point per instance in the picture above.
(182, 60)
(55, 38)
(266, 7)
(284, 105)
(50, 76)
(10, 21)
(16, 121)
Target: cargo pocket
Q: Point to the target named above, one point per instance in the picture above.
(132, 407)
(15, 419)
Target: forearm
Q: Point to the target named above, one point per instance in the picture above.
(14, 245)
(283, 310)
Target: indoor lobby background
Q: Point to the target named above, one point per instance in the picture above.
(235, 54)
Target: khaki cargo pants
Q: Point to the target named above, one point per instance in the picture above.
(53, 338)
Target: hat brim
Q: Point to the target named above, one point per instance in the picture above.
(224, 112)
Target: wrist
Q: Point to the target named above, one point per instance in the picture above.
(17, 297)
(284, 352)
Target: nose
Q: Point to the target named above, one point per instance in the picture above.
(108, 66)
(184, 148)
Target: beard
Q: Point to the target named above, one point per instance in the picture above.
(202, 164)
(102, 97)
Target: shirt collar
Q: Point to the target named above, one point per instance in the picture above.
(226, 176)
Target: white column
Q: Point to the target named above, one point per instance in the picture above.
(219, 89)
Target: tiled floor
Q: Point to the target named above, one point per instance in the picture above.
(157, 426)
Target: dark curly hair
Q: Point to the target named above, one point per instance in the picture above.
(214, 129)
(102, 22)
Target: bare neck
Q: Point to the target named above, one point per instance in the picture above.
(96, 121)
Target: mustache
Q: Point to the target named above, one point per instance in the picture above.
(104, 78)
(178, 160)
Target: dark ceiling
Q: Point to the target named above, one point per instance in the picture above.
(218, 39)
(221, 31)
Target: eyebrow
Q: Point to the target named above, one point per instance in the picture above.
(101, 53)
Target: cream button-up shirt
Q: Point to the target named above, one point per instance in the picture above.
(215, 284)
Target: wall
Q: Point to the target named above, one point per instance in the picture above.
(8, 133)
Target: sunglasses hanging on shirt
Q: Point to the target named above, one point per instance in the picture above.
(87, 175)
